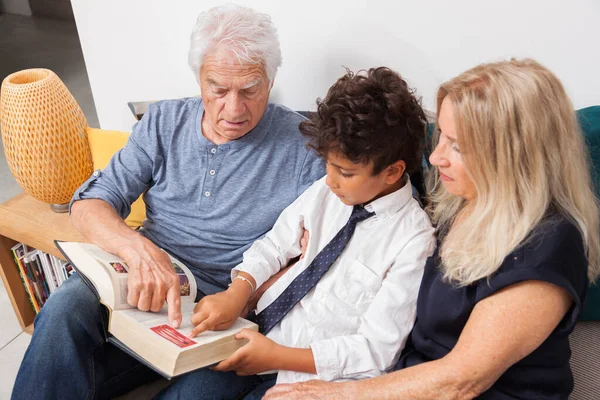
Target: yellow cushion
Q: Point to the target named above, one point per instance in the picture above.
(103, 145)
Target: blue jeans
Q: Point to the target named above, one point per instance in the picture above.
(69, 358)
(206, 384)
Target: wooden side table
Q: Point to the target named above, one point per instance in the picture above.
(27, 220)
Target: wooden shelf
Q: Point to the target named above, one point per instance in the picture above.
(27, 220)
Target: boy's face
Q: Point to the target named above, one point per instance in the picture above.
(355, 183)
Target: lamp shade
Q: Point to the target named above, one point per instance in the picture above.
(43, 132)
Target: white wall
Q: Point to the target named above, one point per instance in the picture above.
(20, 7)
(137, 49)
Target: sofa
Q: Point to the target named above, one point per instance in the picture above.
(585, 340)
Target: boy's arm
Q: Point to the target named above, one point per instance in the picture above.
(262, 354)
(264, 259)
(386, 323)
(257, 294)
(268, 255)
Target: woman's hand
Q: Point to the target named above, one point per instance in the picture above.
(260, 354)
(310, 390)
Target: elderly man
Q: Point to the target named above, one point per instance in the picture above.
(215, 174)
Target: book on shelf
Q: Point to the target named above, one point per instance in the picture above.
(40, 272)
(147, 335)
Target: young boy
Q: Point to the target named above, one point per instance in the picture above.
(368, 242)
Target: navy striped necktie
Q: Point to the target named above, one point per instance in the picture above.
(308, 278)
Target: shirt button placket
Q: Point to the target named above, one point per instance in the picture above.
(211, 171)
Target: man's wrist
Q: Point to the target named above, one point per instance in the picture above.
(127, 245)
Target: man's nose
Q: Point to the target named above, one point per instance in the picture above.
(235, 104)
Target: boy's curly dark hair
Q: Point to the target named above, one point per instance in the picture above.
(369, 116)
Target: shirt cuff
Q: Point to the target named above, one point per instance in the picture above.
(83, 188)
(327, 363)
(260, 274)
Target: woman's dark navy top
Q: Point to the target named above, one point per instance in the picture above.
(554, 253)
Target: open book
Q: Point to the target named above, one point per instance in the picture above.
(147, 335)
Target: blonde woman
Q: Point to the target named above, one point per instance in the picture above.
(518, 244)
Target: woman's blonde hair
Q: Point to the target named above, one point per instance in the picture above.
(523, 149)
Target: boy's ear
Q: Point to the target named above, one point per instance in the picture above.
(393, 173)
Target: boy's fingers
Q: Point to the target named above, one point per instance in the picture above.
(200, 316)
(198, 329)
(222, 326)
(174, 306)
(244, 334)
(230, 363)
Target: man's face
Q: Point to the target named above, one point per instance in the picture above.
(355, 183)
(235, 96)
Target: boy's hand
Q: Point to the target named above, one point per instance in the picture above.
(258, 355)
(219, 311)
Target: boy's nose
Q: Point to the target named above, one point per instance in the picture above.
(330, 182)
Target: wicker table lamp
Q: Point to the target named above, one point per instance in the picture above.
(43, 132)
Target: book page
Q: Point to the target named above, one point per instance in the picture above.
(187, 282)
(159, 323)
(119, 271)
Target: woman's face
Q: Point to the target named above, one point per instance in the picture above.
(447, 156)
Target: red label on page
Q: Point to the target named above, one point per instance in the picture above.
(172, 335)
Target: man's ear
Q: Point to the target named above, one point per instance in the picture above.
(393, 173)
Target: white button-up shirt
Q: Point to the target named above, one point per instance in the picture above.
(358, 316)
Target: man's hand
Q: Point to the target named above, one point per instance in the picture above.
(152, 279)
(258, 355)
(219, 311)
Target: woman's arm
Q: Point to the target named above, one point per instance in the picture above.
(502, 329)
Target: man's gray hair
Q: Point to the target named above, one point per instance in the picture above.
(249, 35)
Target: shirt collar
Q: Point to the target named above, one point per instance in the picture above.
(392, 202)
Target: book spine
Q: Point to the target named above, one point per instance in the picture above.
(49, 270)
(18, 252)
(33, 276)
(56, 268)
(68, 268)
(43, 279)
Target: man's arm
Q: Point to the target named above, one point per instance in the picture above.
(100, 205)
(151, 278)
(100, 224)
